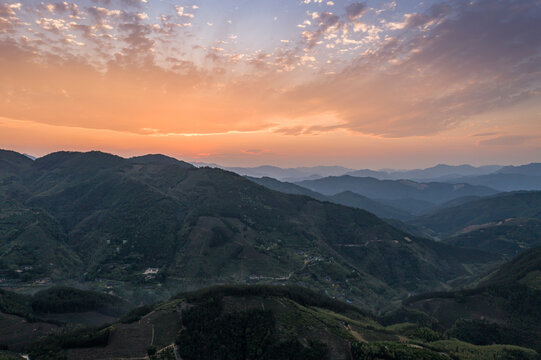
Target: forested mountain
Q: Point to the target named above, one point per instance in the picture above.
(440, 172)
(508, 178)
(155, 226)
(395, 189)
(266, 323)
(503, 309)
(506, 237)
(503, 181)
(483, 212)
(284, 174)
(346, 198)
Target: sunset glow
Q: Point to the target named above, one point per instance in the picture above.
(283, 82)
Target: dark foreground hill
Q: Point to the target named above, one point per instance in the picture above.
(145, 228)
(260, 322)
(26, 318)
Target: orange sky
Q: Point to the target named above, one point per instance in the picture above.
(361, 86)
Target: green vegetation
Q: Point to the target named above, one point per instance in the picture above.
(53, 346)
(136, 314)
(59, 300)
(283, 322)
(449, 221)
(16, 304)
(509, 237)
(432, 192)
(346, 198)
(392, 351)
(65, 300)
(523, 269)
(300, 295)
(504, 309)
(247, 335)
(465, 351)
(147, 227)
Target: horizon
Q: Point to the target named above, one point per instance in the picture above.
(273, 165)
(360, 84)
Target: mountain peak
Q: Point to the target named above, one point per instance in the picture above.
(159, 159)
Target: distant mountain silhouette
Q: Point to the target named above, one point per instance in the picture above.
(395, 189)
(439, 172)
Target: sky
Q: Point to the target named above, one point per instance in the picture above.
(371, 84)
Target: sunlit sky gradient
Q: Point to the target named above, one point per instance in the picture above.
(284, 82)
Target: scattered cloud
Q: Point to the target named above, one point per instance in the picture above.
(509, 140)
(378, 71)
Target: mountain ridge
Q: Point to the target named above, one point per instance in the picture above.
(214, 226)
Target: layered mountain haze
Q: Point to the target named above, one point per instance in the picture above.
(439, 172)
(483, 212)
(162, 223)
(408, 195)
(346, 198)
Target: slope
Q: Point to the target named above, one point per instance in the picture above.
(504, 181)
(346, 198)
(507, 237)
(395, 189)
(261, 322)
(503, 308)
(482, 211)
(147, 229)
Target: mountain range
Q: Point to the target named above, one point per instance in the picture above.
(87, 237)
(435, 193)
(116, 224)
(501, 178)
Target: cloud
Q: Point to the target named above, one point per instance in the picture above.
(8, 17)
(182, 13)
(509, 140)
(8, 10)
(355, 10)
(490, 133)
(54, 25)
(473, 59)
(435, 12)
(441, 67)
(326, 22)
(64, 8)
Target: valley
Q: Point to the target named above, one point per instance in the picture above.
(153, 245)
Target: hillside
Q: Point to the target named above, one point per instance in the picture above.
(503, 181)
(261, 322)
(352, 199)
(507, 237)
(441, 172)
(504, 308)
(483, 211)
(533, 169)
(346, 198)
(395, 189)
(524, 269)
(26, 318)
(287, 187)
(288, 175)
(145, 230)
